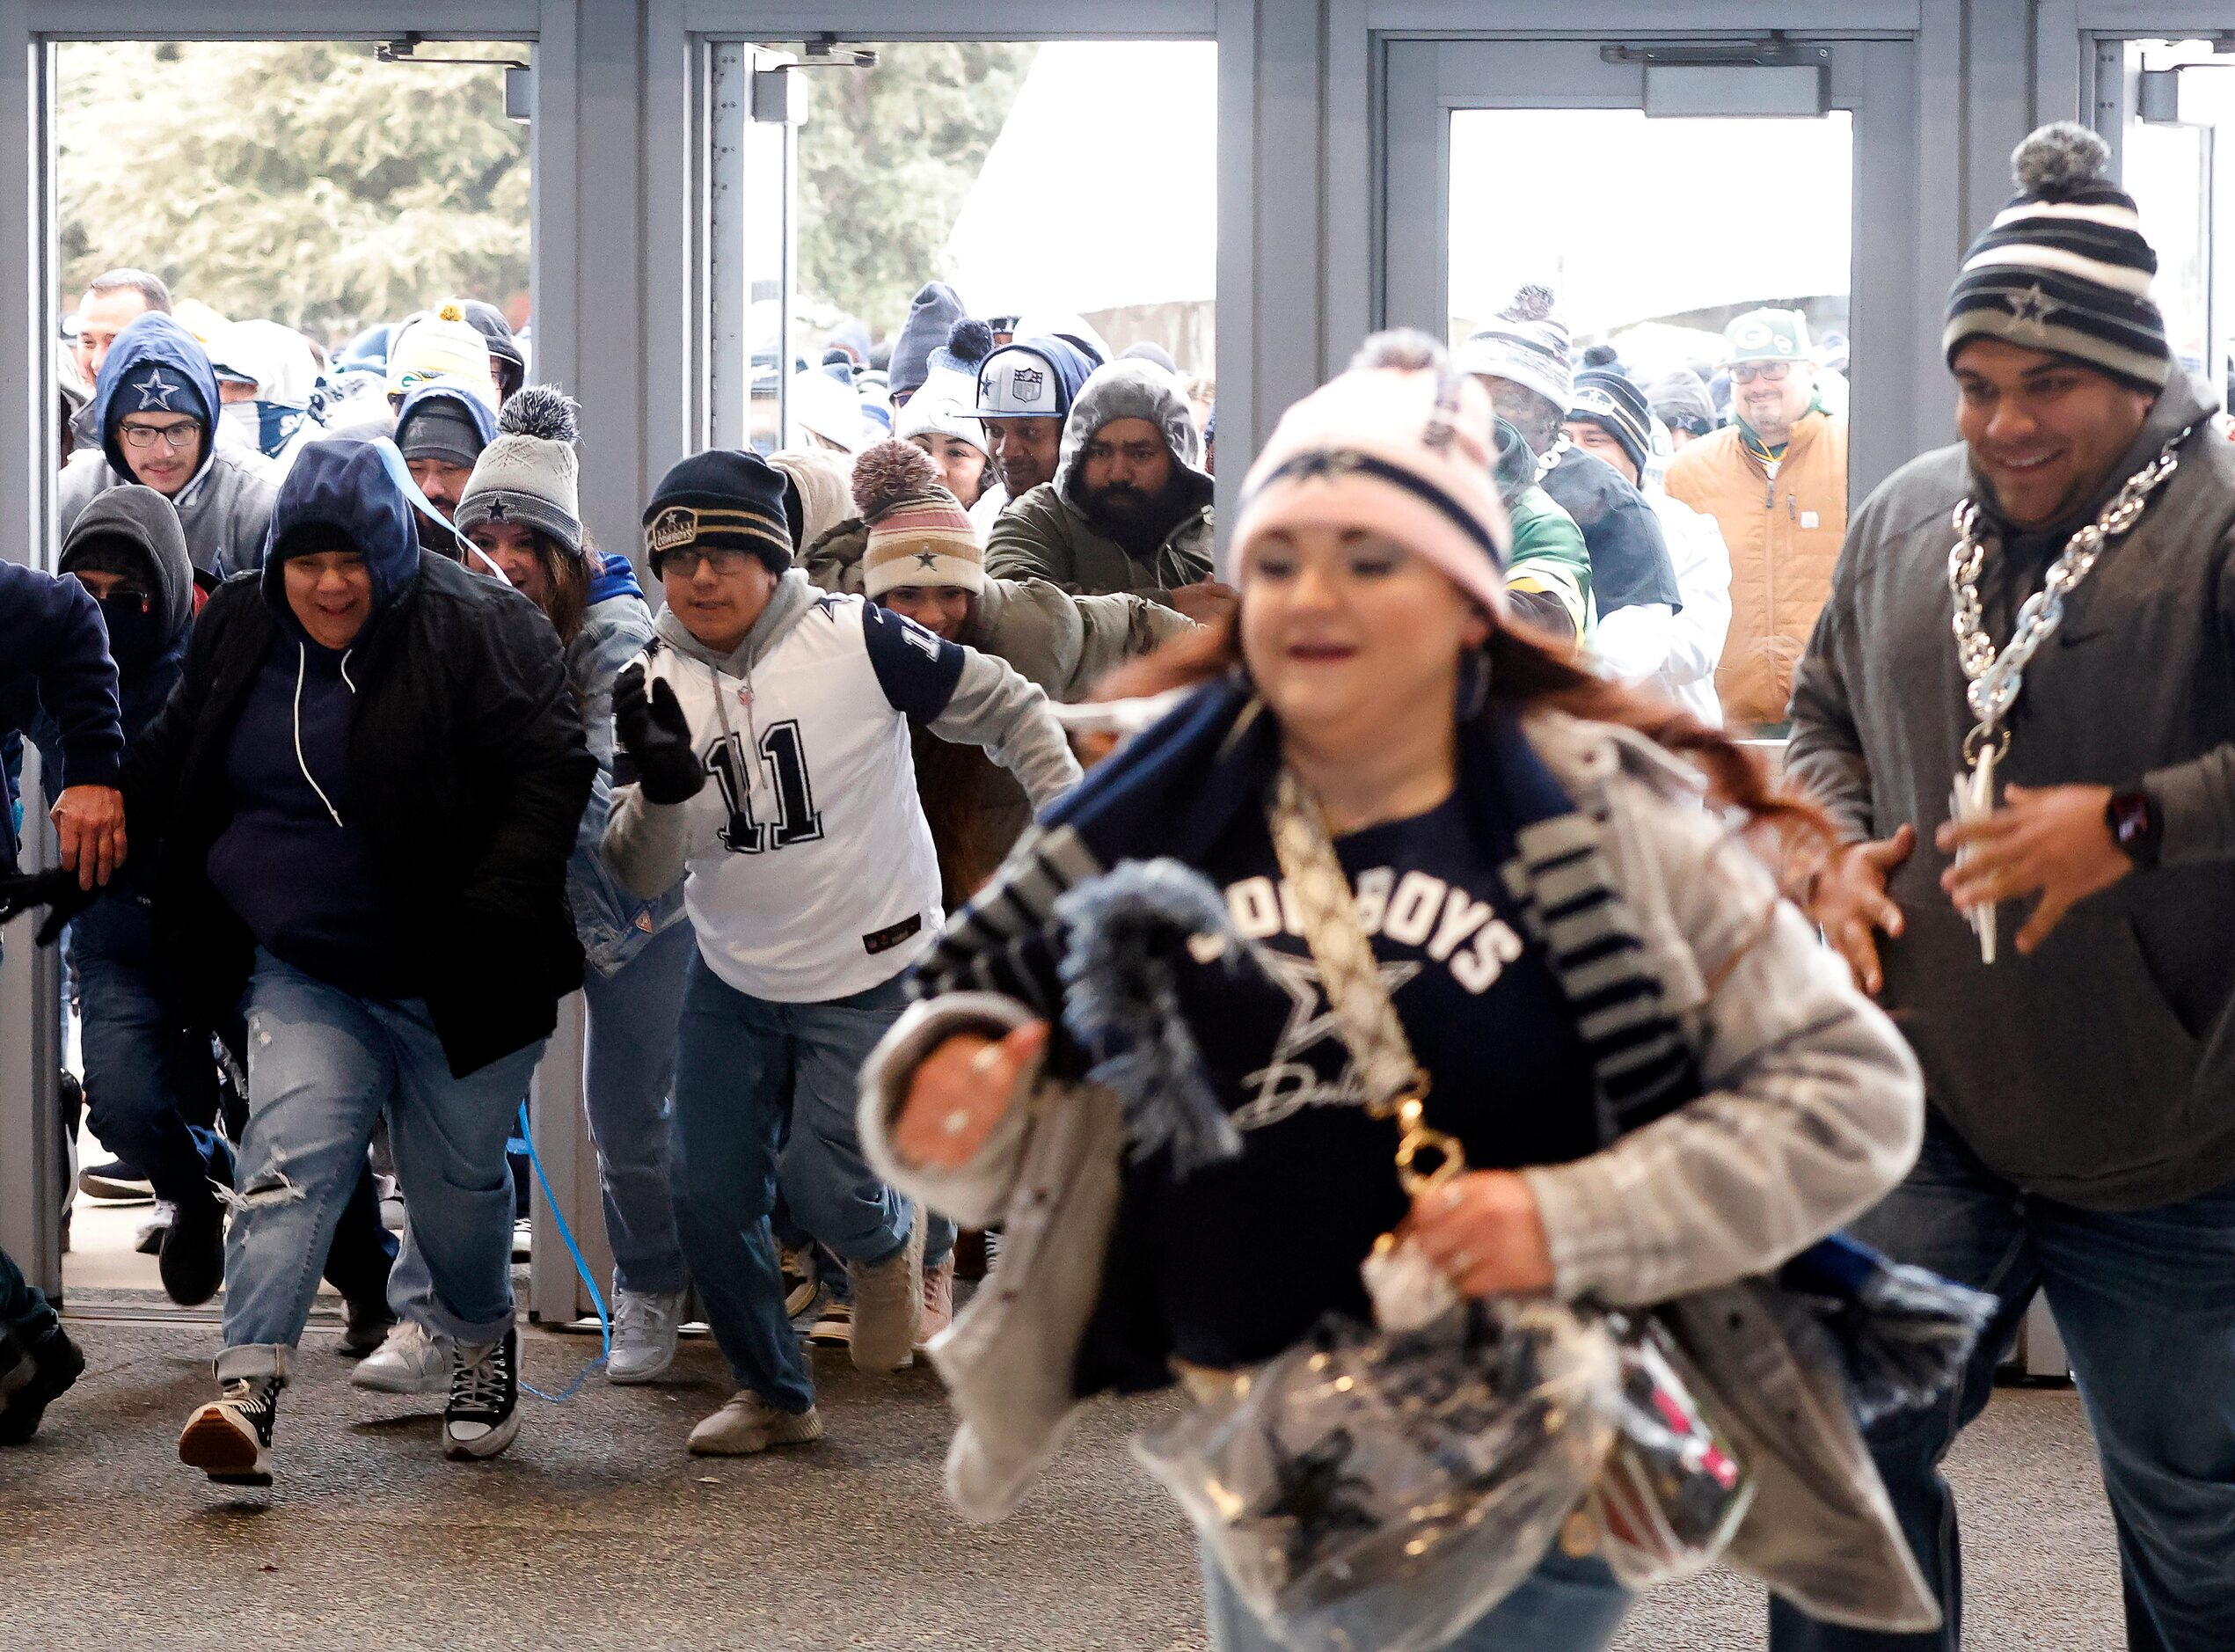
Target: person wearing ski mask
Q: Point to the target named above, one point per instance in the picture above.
(157, 402)
(444, 425)
(266, 374)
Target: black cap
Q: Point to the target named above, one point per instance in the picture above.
(726, 498)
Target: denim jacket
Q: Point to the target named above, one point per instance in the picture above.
(613, 923)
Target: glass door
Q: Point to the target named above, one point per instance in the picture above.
(1657, 192)
(2168, 102)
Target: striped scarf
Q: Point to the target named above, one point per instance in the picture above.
(1175, 790)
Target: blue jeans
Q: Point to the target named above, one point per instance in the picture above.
(150, 1080)
(628, 1082)
(764, 1089)
(628, 1075)
(323, 1064)
(1565, 1605)
(2145, 1300)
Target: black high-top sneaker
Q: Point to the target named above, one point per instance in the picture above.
(230, 1439)
(483, 1412)
(34, 1371)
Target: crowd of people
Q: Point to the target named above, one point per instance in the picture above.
(362, 757)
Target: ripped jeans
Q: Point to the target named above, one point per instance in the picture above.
(322, 1064)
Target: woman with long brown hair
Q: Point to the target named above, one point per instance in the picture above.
(1660, 1082)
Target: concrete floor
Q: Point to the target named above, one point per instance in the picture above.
(596, 1530)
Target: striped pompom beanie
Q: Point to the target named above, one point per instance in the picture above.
(918, 532)
(2064, 267)
(1526, 345)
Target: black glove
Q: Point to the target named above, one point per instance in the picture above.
(56, 891)
(656, 736)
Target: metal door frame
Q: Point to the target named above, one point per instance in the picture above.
(1898, 409)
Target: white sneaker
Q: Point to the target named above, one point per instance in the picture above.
(939, 1302)
(645, 1327)
(888, 1305)
(747, 1424)
(413, 1360)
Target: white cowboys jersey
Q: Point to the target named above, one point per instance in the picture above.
(811, 872)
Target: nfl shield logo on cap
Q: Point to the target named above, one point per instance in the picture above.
(1027, 383)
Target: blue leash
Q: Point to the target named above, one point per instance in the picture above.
(597, 1297)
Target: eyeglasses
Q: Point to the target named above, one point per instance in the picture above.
(178, 437)
(721, 559)
(1773, 372)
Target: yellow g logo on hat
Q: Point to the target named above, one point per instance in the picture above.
(671, 530)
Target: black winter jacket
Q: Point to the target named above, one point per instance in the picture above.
(467, 759)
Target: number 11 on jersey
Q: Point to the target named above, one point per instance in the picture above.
(797, 819)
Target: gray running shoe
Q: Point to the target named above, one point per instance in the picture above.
(644, 1327)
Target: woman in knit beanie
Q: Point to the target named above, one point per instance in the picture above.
(520, 509)
(1374, 761)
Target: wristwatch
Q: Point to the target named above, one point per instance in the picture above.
(2138, 825)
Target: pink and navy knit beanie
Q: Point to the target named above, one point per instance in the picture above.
(1399, 445)
(918, 532)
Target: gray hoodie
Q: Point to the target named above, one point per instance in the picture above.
(1047, 534)
(2100, 1070)
(224, 510)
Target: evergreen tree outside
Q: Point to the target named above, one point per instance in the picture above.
(886, 159)
(303, 181)
(310, 183)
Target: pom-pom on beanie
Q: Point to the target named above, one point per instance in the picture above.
(918, 533)
(1400, 445)
(2064, 266)
(1526, 346)
(529, 473)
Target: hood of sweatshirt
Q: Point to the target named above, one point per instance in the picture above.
(358, 489)
(143, 519)
(613, 575)
(794, 596)
(156, 367)
(477, 411)
(1133, 389)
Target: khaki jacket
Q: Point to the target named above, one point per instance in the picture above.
(1784, 537)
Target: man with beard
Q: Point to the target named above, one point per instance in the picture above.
(1129, 507)
(443, 426)
(1775, 479)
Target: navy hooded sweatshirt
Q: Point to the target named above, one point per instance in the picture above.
(55, 657)
(157, 368)
(295, 862)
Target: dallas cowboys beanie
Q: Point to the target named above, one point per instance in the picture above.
(726, 498)
(2063, 267)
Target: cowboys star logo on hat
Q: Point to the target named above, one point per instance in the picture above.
(1025, 383)
(676, 526)
(2030, 307)
(155, 392)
